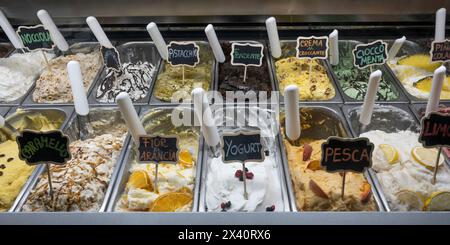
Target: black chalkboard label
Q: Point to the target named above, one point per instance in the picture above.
(35, 37)
(346, 154)
(158, 149)
(435, 130)
(312, 47)
(242, 147)
(183, 53)
(373, 53)
(111, 58)
(440, 51)
(43, 147)
(247, 54)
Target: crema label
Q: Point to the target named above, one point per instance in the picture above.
(346, 154)
(37, 147)
(312, 47)
(242, 147)
(35, 37)
(158, 149)
(373, 53)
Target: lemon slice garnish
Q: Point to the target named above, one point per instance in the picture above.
(390, 153)
(426, 157)
(411, 199)
(438, 201)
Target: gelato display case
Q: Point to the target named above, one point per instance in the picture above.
(103, 181)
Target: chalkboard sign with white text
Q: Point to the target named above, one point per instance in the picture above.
(247, 54)
(183, 53)
(373, 53)
(312, 47)
(242, 147)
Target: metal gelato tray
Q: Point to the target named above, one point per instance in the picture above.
(82, 47)
(20, 100)
(149, 113)
(289, 46)
(401, 97)
(269, 68)
(203, 45)
(72, 129)
(132, 52)
(238, 112)
(411, 47)
(340, 129)
(355, 132)
(51, 113)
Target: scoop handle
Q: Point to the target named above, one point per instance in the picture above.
(99, 34)
(48, 23)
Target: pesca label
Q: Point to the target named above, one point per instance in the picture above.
(440, 51)
(111, 58)
(183, 53)
(37, 147)
(35, 37)
(247, 54)
(435, 130)
(374, 53)
(242, 147)
(158, 149)
(346, 154)
(312, 47)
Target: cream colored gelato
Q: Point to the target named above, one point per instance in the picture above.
(53, 86)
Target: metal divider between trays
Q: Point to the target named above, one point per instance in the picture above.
(38, 169)
(336, 110)
(123, 173)
(42, 168)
